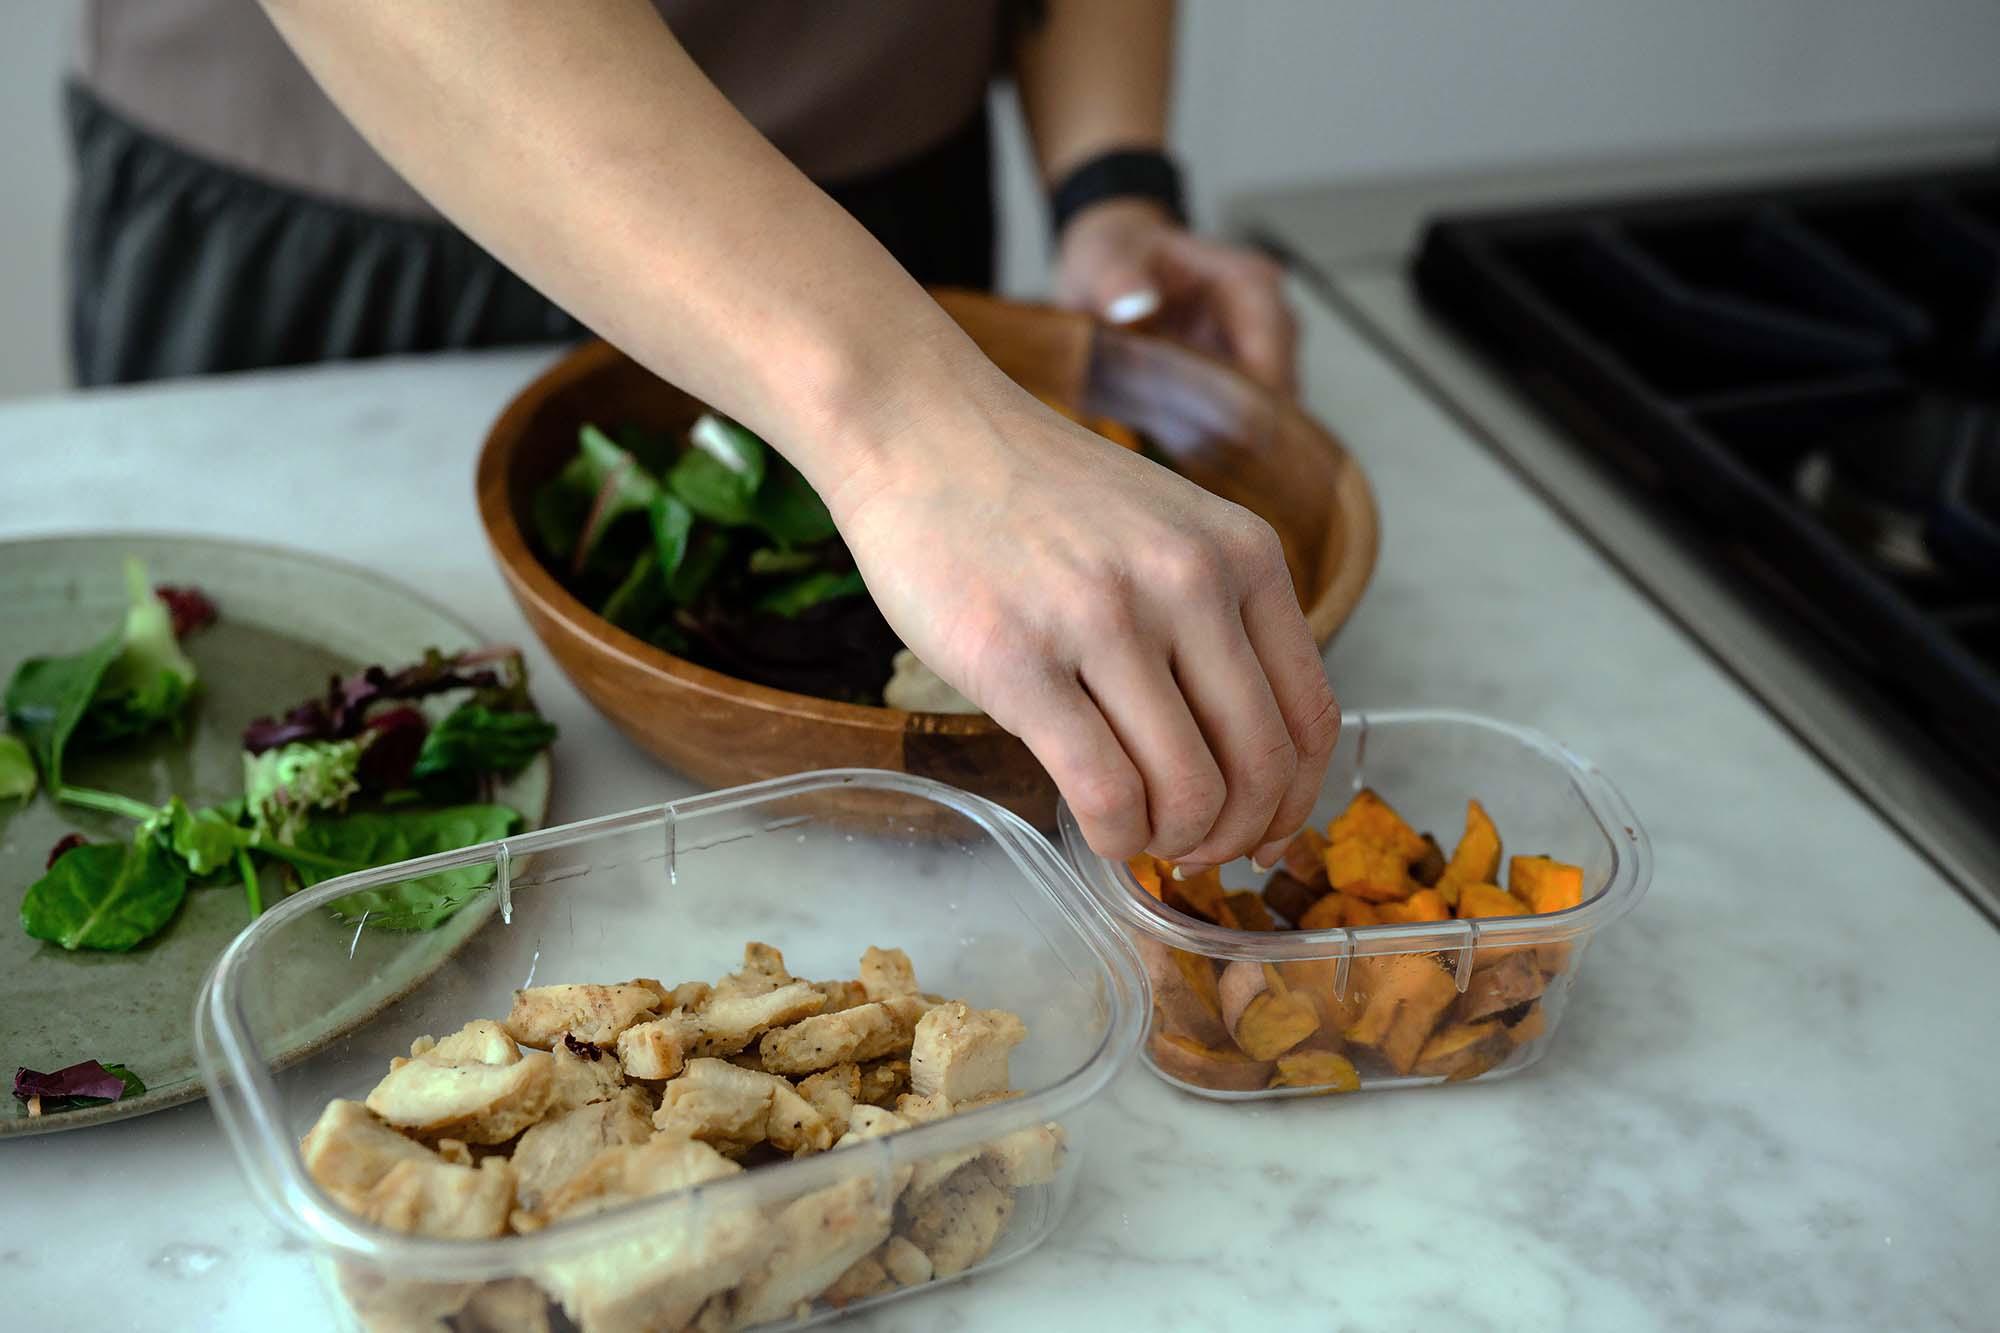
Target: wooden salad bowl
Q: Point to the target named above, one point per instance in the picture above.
(1216, 426)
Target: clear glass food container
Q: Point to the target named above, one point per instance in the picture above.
(1492, 991)
(821, 866)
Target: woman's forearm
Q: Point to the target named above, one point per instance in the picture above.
(582, 146)
(1095, 75)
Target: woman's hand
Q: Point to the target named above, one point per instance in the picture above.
(1141, 635)
(1128, 262)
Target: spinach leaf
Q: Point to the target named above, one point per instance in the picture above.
(800, 594)
(789, 510)
(477, 740)
(151, 678)
(672, 522)
(207, 839)
(639, 597)
(732, 446)
(48, 697)
(282, 787)
(325, 847)
(105, 896)
(602, 484)
(711, 488)
(17, 769)
(706, 554)
(125, 683)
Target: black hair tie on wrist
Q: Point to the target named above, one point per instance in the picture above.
(1126, 173)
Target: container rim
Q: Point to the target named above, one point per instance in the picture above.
(247, 1101)
(1631, 873)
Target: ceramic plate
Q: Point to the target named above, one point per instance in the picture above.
(288, 621)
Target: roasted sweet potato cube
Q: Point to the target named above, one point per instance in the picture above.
(1201, 896)
(1290, 897)
(1148, 872)
(1207, 1067)
(1305, 858)
(1316, 1069)
(1428, 869)
(1500, 986)
(1423, 905)
(1184, 992)
(1264, 1017)
(1460, 1046)
(1405, 996)
(1476, 859)
(1317, 979)
(1543, 884)
(1337, 910)
(1367, 870)
(1489, 900)
(1369, 818)
(1247, 906)
(1553, 958)
(1529, 1026)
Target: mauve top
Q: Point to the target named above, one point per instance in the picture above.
(845, 88)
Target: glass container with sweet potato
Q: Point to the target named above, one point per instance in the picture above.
(1427, 926)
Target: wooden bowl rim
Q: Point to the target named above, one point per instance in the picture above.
(1354, 498)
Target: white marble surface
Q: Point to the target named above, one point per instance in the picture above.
(1771, 1105)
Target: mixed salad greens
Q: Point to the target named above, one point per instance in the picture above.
(361, 777)
(715, 549)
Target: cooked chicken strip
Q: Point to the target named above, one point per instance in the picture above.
(656, 1048)
(886, 972)
(818, 1237)
(958, 1224)
(865, 1277)
(883, 1081)
(841, 995)
(660, 1279)
(763, 971)
(736, 1109)
(866, 1032)
(596, 1014)
(728, 1023)
(961, 1052)
(482, 1041)
(556, 1149)
(436, 1198)
(1031, 1156)
(833, 1093)
(582, 1073)
(907, 1264)
(514, 1305)
(348, 1150)
(478, 1103)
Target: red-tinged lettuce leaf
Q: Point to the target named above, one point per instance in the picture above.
(396, 738)
(342, 713)
(86, 1083)
(189, 607)
(63, 844)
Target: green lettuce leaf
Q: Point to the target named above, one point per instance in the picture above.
(282, 787)
(107, 896)
(17, 769)
(475, 740)
(325, 847)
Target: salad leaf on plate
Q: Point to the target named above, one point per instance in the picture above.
(150, 679)
(476, 740)
(325, 847)
(282, 786)
(87, 1083)
(17, 769)
(108, 896)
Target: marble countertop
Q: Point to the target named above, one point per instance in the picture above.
(1770, 1106)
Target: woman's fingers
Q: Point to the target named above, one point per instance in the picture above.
(1245, 295)
(1066, 732)
(1134, 686)
(1291, 663)
(1225, 687)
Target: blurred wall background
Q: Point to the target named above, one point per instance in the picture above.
(1285, 91)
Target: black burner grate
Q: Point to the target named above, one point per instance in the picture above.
(1813, 372)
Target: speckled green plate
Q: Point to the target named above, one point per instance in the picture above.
(289, 620)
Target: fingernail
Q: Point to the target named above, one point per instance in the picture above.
(1180, 873)
(1132, 306)
(1261, 866)
(1267, 857)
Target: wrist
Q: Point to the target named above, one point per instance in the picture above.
(1144, 174)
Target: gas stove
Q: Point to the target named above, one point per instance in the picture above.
(1766, 384)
